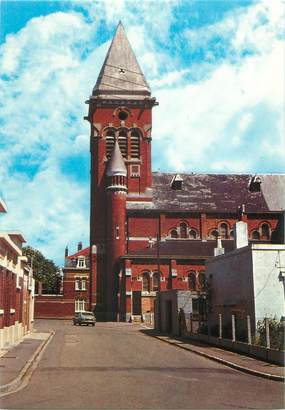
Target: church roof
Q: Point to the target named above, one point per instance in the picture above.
(176, 249)
(116, 164)
(215, 193)
(121, 73)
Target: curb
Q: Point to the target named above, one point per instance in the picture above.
(226, 363)
(27, 370)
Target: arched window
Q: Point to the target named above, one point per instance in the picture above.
(146, 282)
(265, 232)
(155, 282)
(110, 142)
(123, 143)
(183, 230)
(202, 280)
(192, 280)
(214, 234)
(255, 235)
(173, 234)
(135, 144)
(224, 230)
(193, 234)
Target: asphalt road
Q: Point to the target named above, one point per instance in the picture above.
(117, 366)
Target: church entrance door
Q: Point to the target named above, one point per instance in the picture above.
(137, 305)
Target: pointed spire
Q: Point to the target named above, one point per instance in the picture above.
(116, 164)
(121, 73)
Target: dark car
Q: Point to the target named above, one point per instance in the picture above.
(84, 318)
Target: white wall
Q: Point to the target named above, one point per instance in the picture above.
(268, 261)
(230, 279)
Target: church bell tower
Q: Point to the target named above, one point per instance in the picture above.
(120, 116)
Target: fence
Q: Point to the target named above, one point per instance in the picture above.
(266, 342)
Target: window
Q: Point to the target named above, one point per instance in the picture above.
(202, 280)
(265, 232)
(192, 280)
(123, 115)
(77, 284)
(83, 284)
(80, 305)
(146, 282)
(232, 236)
(110, 142)
(183, 230)
(135, 144)
(155, 282)
(81, 263)
(224, 230)
(173, 234)
(255, 235)
(193, 234)
(214, 234)
(123, 143)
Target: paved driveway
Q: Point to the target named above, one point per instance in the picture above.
(115, 365)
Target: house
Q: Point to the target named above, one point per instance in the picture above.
(16, 288)
(74, 295)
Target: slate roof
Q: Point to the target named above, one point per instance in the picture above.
(121, 74)
(183, 249)
(83, 252)
(215, 193)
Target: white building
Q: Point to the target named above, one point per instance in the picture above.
(246, 281)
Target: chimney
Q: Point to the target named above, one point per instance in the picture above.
(219, 250)
(240, 234)
(79, 246)
(66, 252)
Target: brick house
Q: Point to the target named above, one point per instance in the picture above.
(16, 288)
(74, 295)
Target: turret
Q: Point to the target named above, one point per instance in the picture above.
(116, 188)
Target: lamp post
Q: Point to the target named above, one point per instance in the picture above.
(158, 277)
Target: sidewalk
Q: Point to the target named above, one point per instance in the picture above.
(235, 360)
(16, 362)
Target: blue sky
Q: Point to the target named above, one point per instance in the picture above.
(216, 68)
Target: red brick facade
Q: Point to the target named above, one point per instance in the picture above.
(74, 294)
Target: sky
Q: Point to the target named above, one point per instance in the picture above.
(215, 67)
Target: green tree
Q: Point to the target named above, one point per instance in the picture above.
(44, 270)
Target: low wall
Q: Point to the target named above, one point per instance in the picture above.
(53, 306)
(259, 352)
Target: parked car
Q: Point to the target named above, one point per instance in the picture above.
(84, 318)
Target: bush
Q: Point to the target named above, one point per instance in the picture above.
(276, 333)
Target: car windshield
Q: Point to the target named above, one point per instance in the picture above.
(89, 315)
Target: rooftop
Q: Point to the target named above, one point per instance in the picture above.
(216, 193)
(120, 74)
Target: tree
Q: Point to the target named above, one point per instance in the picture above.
(44, 270)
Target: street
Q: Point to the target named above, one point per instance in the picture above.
(117, 365)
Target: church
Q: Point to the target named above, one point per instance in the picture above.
(153, 231)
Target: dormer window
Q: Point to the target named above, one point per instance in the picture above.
(81, 263)
(176, 183)
(254, 184)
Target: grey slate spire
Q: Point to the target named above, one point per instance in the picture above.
(116, 164)
(121, 74)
